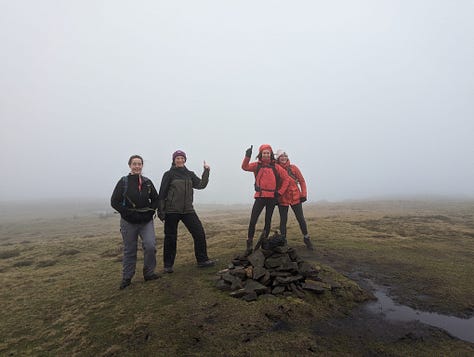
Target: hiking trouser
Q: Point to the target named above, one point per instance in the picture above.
(130, 233)
(194, 226)
(298, 210)
(259, 204)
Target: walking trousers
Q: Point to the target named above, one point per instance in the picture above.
(194, 226)
(130, 233)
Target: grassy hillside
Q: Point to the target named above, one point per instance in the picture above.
(60, 273)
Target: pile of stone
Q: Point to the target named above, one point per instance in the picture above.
(272, 269)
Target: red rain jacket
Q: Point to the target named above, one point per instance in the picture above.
(265, 178)
(296, 188)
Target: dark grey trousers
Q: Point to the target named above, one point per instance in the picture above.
(130, 233)
(194, 226)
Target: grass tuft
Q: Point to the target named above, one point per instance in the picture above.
(9, 254)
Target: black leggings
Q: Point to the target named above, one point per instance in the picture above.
(298, 209)
(258, 205)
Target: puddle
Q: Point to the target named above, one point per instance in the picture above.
(455, 326)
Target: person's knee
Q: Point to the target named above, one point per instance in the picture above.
(130, 248)
(149, 245)
(171, 237)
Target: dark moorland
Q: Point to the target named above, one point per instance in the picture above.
(60, 270)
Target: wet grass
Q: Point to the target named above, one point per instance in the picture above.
(60, 288)
(430, 254)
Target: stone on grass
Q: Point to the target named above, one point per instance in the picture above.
(275, 269)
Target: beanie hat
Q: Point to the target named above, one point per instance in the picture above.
(265, 147)
(279, 153)
(179, 153)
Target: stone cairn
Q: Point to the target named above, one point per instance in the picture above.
(272, 269)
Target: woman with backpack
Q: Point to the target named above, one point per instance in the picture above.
(294, 196)
(271, 181)
(136, 199)
(176, 204)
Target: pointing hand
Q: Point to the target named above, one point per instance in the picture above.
(248, 152)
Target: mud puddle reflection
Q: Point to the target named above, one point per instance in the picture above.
(455, 326)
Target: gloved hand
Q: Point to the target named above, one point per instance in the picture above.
(161, 216)
(248, 152)
(302, 199)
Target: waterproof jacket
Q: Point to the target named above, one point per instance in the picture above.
(136, 203)
(265, 181)
(297, 187)
(176, 190)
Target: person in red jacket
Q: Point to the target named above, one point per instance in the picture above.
(294, 196)
(271, 181)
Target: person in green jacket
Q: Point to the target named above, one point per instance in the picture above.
(175, 203)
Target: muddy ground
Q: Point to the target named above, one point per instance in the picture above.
(362, 325)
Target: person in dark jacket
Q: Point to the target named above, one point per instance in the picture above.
(136, 199)
(176, 204)
(271, 181)
(294, 197)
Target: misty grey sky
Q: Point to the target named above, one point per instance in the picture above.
(369, 98)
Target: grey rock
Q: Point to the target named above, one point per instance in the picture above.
(239, 272)
(238, 293)
(252, 296)
(289, 266)
(276, 273)
(258, 272)
(222, 285)
(278, 290)
(277, 270)
(288, 279)
(257, 259)
(266, 279)
(307, 269)
(315, 286)
(277, 260)
(281, 249)
(252, 285)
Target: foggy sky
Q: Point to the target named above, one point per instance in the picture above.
(369, 98)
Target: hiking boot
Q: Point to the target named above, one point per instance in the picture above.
(125, 283)
(249, 249)
(153, 276)
(307, 242)
(206, 264)
(168, 270)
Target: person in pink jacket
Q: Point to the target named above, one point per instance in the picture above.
(271, 181)
(293, 197)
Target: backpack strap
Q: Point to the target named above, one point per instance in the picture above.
(125, 188)
(146, 182)
(291, 174)
(277, 178)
